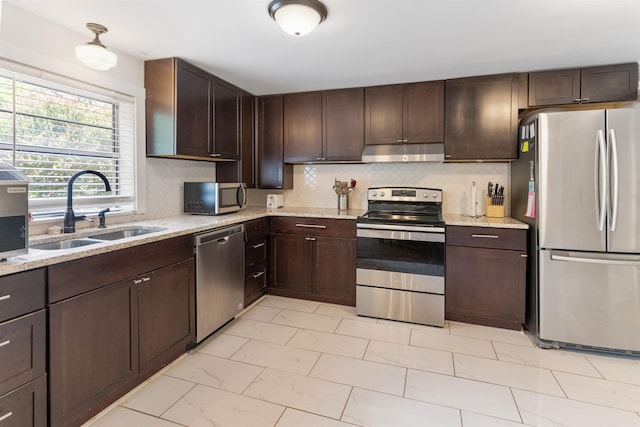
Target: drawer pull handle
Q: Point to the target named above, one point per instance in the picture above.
(311, 226)
(485, 236)
(311, 239)
(137, 281)
(2, 344)
(259, 245)
(255, 276)
(5, 297)
(5, 416)
(524, 255)
(146, 279)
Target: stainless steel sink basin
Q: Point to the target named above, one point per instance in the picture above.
(65, 244)
(123, 234)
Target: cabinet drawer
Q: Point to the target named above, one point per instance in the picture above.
(22, 350)
(487, 237)
(256, 229)
(255, 253)
(21, 293)
(321, 227)
(256, 280)
(26, 406)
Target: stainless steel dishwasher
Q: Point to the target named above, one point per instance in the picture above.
(219, 278)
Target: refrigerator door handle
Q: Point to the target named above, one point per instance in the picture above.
(612, 161)
(600, 174)
(564, 256)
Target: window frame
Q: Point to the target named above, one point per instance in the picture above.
(53, 207)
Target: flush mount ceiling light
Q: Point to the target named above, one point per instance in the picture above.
(94, 54)
(297, 17)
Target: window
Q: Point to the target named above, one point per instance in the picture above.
(51, 131)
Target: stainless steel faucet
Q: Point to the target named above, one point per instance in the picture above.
(70, 217)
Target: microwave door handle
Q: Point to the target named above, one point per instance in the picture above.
(241, 200)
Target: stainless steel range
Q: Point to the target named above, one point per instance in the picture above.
(400, 256)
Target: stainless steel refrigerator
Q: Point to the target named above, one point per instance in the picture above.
(578, 176)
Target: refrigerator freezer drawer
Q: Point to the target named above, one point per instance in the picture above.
(590, 299)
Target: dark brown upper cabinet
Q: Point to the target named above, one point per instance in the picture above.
(302, 117)
(343, 124)
(190, 114)
(273, 173)
(324, 126)
(405, 113)
(584, 85)
(244, 169)
(226, 120)
(481, 118)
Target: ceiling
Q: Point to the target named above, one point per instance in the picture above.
(362, 42)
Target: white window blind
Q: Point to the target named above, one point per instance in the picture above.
(51, 131)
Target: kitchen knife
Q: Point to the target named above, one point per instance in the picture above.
(490, 189)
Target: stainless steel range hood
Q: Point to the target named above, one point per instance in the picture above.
(402, 153)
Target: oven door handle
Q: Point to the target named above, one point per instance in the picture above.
(404, 227)
(420, 236)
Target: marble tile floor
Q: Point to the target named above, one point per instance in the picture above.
(294, 363)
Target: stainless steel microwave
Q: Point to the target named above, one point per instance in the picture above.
(214, 198)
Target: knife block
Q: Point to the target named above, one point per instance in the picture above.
(494, 211)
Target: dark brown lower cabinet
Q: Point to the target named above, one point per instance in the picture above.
(107, 339)
(255, 259)
(93, 352)
(25, 406)
(314, 259)
(166, 317)
(485, 279)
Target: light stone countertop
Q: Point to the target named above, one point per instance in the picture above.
(189, 224)
(483, 221)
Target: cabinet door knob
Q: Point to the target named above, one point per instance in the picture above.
(215, 155)
(577, 100)
(585, 99)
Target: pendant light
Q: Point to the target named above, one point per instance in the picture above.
(297, 17)
(94, 54)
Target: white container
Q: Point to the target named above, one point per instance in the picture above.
(275, 201)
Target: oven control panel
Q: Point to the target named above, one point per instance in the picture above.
(405, 194)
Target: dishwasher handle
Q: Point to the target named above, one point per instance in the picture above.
(220, 236)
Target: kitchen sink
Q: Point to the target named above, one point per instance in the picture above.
(123, 234)
(95, 238)
(65, 244)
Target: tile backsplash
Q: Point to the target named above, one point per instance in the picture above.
(313, 183)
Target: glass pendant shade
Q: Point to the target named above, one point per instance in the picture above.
(96, 57)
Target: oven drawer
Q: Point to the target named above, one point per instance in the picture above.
(406, 306)
(321, 227)
(487, 237)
